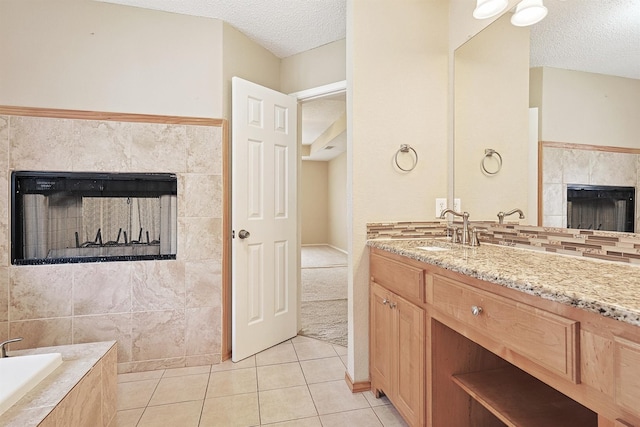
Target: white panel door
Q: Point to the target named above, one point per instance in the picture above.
(264, 207)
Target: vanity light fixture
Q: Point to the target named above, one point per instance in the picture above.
(489, 8)
(528, 12)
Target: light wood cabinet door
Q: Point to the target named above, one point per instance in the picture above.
(410, 379)
(380, 339)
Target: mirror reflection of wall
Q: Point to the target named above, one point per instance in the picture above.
(491, 112)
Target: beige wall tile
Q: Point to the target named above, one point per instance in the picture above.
(204, 152)
(102, 288)
(203, 330)
(158, 285)
(158, 334)
(40, 292)
(158, 148)
(105, 327)
(40, 143)
(101, 146)
(4, 294)
(153, 364)
(575, 166)
(109, 386)
(4, 331)
(199, 239)
(41, 333)
(203, 359)
(83, 405)
(4, 142)
(203, 283)
(613, 169)
(202, 196)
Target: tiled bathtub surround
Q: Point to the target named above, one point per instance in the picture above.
(154, 309)
(564, 164)
(607, 245)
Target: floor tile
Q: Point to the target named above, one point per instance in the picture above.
(321, 370)
(235, 381)
(279, 376)
(357, 418)
(303, 422)
(183, 414)
(314, 349)
(373, 401)
(389, 416)
(139, 376)
(129, 417)
(240, 410)
(342, 351)
(281, 353)
(135, 394)
(286, 404)
(180, 389)
(228, 365)
(335, 396)
(190, 370)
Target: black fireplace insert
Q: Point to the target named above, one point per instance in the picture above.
(69, 217)
(600, 207)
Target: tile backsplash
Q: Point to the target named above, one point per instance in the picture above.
(605, 245)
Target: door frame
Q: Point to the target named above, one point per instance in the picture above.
(301, 96)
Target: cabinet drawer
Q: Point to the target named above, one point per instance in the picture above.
(544, 338)
(402, 279)
(627, 374)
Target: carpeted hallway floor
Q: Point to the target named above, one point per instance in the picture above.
(324, 294)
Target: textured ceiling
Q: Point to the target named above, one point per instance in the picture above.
(284, 27)
(599, 36)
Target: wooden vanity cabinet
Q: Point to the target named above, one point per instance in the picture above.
(397, 339)
(451, 350)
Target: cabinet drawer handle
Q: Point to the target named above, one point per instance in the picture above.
(476, 310)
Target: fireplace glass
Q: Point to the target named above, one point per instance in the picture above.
(599, 207)
(60, 217)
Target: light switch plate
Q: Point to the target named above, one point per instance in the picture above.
(441, 204)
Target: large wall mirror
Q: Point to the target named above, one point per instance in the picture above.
(587, 96)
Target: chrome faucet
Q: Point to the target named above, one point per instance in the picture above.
(3, 350)
(501, 215)
(465, 223)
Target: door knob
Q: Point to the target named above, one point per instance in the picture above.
(243, 234)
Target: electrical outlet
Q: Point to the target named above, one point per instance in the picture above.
(457, 206)
(441, 204)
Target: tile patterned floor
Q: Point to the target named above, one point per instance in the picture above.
(299, 383)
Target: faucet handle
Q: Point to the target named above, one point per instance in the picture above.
(455, 235)
(3, 349)
(475, 232)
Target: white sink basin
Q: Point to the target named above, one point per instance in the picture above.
(432, 248)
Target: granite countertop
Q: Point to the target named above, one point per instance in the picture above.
(611, 289)
(77, 360)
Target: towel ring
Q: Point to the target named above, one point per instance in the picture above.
(406, 148)
(488, 153)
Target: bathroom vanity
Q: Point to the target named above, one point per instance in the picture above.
(493, 336)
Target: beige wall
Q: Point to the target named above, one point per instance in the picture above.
(314, 202)
(397, 62)
(244, 58)
(313, 68)
(587, 108)
(491, 112)
(162, 313)
(338, 215)
(88, 55)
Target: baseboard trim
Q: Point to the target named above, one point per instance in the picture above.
(357, 387)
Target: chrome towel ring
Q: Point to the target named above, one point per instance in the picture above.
(406, 148)
(488, 154)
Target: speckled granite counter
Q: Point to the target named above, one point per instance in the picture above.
(53, 402)
(607, 288)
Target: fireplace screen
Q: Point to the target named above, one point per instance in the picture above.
(599, 207)
(89, 217)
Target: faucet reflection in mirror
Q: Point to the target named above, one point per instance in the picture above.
(501, 215)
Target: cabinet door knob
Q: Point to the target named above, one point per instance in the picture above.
(385, 301)
(394, 305)
(476, 310)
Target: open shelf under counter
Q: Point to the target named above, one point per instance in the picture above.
(518, 399)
